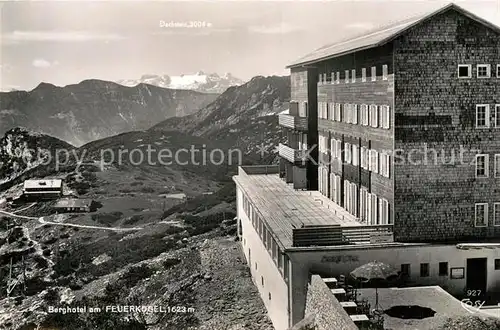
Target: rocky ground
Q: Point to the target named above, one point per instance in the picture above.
(229, 300)
(193, 267)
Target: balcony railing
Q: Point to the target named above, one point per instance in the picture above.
(331, 235)
(290, 154)
(293, 122)
(370, 234)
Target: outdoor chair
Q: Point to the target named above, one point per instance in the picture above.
(341, 282)
(351, 293)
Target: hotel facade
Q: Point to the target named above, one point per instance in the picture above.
(392, 154)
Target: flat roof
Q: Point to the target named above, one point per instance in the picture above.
(283, 208)
(52, 183)
(433, 297)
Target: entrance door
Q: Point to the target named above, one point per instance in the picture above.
(476, 278)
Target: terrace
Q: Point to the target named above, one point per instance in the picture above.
(298, 218)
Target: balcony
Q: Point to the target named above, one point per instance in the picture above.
(293, 122)
(290, 154)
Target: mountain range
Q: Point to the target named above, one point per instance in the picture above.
(200, 82)
(243, 117)
(95, 109)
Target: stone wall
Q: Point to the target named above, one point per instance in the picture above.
(436, 110)
(325, 308)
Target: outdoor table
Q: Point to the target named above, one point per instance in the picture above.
(330, 281)
(349, 306)
(359, 318)
(339, 293)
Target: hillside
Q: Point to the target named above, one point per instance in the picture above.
(22, 150)
(94, 109)
(260, 96)
(244, 117)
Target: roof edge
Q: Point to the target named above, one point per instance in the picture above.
(396, 35)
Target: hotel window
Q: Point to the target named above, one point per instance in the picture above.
(496, 214)
(373, 161)
(353, 75)
(373, 115)
(482, 166)
(275, 252)
(354, 199)
(385, 72)
(285, 267)
(346, 76)
(373, 202)
(347, 153)
(483, 71)
(368, 208)
(262, 280)
(338, 78)
(464, 71)
(498, 70)
(332, 188)
(481, 215)
(365, 158)
(497, 165)
(385, 116)
(405, 270)
(363, 74)
(322, 110)
(331, 110)
(364, 115)
(347, 117)
(344, 205)
(384, 164)
(355, 113)
(339, 149)
(443, 269)
(332, 77)
(337, 189)
(424, 270)
(355, 155)
(374, 73)
(482, 115)
(338, 112)
(497, 264)
(496, 116)
(347, 195)
(324, 78)
(383, 209)
(362, 204)
(320, 79)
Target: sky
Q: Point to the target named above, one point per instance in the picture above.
(65, 42)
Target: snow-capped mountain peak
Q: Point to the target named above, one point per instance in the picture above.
(200, 81)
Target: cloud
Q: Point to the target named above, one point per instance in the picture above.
(59, 36)
(360, 26)
(281, 28)
(42, 63)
